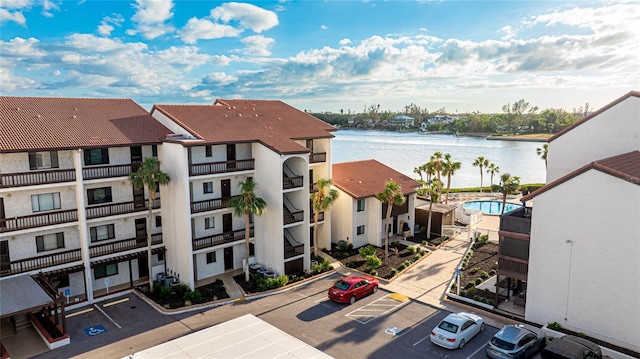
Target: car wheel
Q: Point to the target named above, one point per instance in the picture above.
(375, 289)
(352, 299)
(461, 344)
(482, 328)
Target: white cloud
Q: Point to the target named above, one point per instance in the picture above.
(344, 42)
(323, 27)
(22, 48)
(197, 29)
(16, 4)
(12, 83)
(219, 78)
(150, 18)
(509, 32)
(108, 22)
(15, 16)
(258, 45)
(47, 6)
(247, 15)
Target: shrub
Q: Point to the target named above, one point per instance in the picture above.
(492, 272)
(373, 272)
(454, 286)
(478, 281)
(423, 252)
(402, 266)
(470, 284)
(406, 263)
(394, 272)
(367, 250)
(193, 297)
(411, 250)
(483, 300)
(484, 275)
(491, 302)
(351, 264)
(417, 256)
(342, 246)
(483, 239)
(463, 293)
(373, 261)
(349, 247)
(471, 291)
(474, 270)
(423, 230)
(424, 243)
(476, 298)
(554, 326)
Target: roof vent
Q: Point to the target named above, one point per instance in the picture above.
(74, 116)
(76, 109)
(18, 108)
(38, 116)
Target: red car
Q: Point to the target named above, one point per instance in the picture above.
(350, 288)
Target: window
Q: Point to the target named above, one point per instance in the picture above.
(40, 160)
(208, 151)
(252, 249)
(211, 257)
(154, 150)
(50, 242)
(160, 256)
(209, 223)
(207, 187)
(105, 270)
(360, 230)
(310, 145)
(360, 205)
(158, 221)
(101, 233)
(45, 201)
(99, 195)
(59, 281)
(96, 156)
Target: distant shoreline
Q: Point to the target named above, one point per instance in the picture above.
(540, 137)
(536, 137)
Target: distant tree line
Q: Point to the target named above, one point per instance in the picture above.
(519, 117)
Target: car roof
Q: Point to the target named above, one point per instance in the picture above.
(353, 279)
(511, 333)
(456, 319)
(570, 344)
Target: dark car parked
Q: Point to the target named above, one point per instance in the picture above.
(572, 347)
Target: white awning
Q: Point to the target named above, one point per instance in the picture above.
(21, 293)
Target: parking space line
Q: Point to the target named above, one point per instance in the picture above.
(78, 313)
(479, 349)
(115, 302)
(108, 317)
(321, 300)
(421, 340)
(374, 309)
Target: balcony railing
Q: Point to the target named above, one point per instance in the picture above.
(317, 157)
(120, 208)
(292, 182)
(221, 238)
(313, 187)
(34, 178)
(44, 261)
(89, 173)
(200, 169)
(209, 205)
(320, 217)
(38, 220)
(292, 217)
(513, 267)
(123, 245)
(515, 224)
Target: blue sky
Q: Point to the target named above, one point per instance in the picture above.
(324, 55)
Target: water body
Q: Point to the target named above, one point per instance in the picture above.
(405, 151)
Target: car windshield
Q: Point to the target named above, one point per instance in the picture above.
(499, 343)
(341, 285)
(451, 328)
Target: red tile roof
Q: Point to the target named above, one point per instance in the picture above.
(625, 166)
(362, 179)
(42, 123)
(585, 119)
(272, 123)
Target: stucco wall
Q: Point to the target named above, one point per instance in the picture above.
(19, 162)
(584, 252)
(613, 132)
(341, 217)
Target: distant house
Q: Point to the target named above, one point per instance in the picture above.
(358, 217)
(442, 119)
(402, 121)
(583, 250)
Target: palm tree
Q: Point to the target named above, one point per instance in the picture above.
(508, 184)
(434, 195)
(436, 159)
(247, 203)
(150, 176)
(391, 195)
(429, 169)
(542, 152)
(448, 169)
(321, 201)
(481, 162)
(492, 170)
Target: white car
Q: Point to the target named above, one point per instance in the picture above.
(457, 329)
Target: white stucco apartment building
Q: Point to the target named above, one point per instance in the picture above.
(584, 261)
(358, 217)
(214, 148)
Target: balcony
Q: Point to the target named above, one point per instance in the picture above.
(292, 182)
(317, 157)
(200, 169)
(120, 208)
(89, 173)
(40, 262)
(313, 187)
(320, 217)
(209, 205)
(517, 221)
(38, 220)
(513, 267)
(22, 179)
(218, 239)
(103, 249)
(292, 217)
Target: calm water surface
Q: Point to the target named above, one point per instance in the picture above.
(405, 151)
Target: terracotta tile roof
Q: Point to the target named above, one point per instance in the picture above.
(603, 109)
(625, 166)
(361, 179)
(43, 123)
(272, 123)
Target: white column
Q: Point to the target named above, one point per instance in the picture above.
(82, 224)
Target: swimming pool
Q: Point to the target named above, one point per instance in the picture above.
(490, 207)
